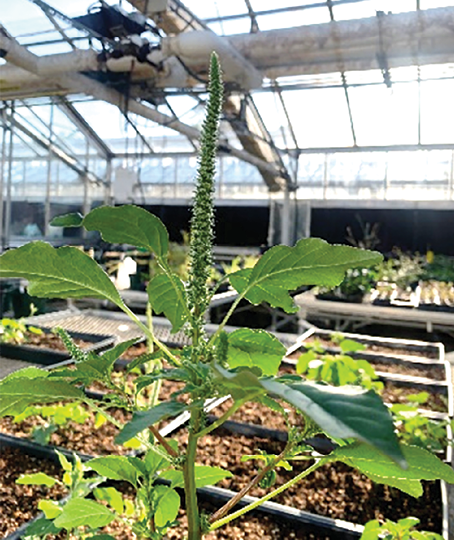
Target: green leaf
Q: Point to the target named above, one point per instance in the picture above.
(40, 528)
(348, 345)
(372, 529)
(143, 419)
(95, 367)
(343, 412)
(154, 462)
(129, 224)
(26, 373)
(167, 295)
(111, 496)
(17, 394)
(74, 219)
(255, 348)
(422, 465)
(64, 272)
(112, 355)
(50, 508)
(80, 512)
(167, 504)
(311, 262)
(243, 385)
(144, 358)
(38, 479)
(115, 468)
(204, 476)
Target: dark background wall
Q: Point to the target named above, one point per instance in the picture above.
(234, 225)
(410, 230)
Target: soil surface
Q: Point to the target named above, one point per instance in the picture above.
(51, 341)
(84, 438)
(379, 348)
(19, 503)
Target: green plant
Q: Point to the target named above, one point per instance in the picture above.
(16, 330)
(243, 364)
(441, 268)
(51, 417)
(337, 369)
(402, 269)
(402, 530)
(416, 429)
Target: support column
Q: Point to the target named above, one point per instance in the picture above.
(9, 180)
(47, 216)
(285, 222)
(2, 174)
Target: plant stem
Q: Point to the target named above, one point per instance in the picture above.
(269, 496)
(149, 313)
(108, 416)
(234, 500)
(150, 335)
(163, 442)
(226, 318)
(192, 510)
(221, 419)
(156, 386)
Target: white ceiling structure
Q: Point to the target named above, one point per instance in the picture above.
(310, 86)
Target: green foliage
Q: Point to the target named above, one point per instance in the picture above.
(440, 269)
(255, 348)
(402, 269)
(53, 416)
(15, 331)
(404, 529)
(421, 465)
(243, 364)
(415, 429)
(282, 269)
(337, 369)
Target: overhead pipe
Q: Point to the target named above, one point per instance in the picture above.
(195, 48)
(77, 83)
(423, 36)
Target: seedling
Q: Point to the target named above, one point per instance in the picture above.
(243, 364)
(404, 529)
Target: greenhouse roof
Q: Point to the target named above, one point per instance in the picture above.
(302, 78)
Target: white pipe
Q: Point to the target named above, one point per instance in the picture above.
(402, 36)
(195, 48)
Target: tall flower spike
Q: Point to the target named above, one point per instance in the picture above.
(202, 221)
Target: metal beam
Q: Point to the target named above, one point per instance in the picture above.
(76, 118)
(240, 112)
(386, 148)
(70, 161)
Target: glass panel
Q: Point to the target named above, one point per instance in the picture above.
(263, 5)
(357, 167)
(320, 117)
(235, 26)
(384, 116)
(293, 18)
(437, 112)
(216, 8)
